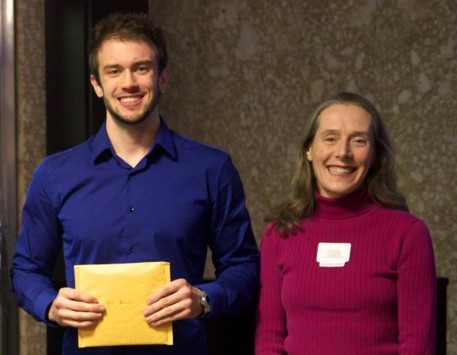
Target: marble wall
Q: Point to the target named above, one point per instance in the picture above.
(31, 130)
(247, 73)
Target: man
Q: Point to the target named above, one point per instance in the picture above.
(135, 192)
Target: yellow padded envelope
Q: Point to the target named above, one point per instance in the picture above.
(123, 289)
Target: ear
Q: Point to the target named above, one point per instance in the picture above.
(97, 88)
(163, 79)
(309, 155)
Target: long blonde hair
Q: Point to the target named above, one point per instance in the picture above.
(380, 181)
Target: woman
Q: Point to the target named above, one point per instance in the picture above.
(345, 269)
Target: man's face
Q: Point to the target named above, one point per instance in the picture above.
(130, 84)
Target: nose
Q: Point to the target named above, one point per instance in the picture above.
(343, 149)
(128, 79)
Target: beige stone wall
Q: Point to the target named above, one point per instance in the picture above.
(31, 130)
(246, 74)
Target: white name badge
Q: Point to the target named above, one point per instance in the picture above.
(333, 254)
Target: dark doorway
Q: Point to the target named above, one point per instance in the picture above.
(73, 112)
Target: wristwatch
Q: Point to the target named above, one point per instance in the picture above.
(205, 304)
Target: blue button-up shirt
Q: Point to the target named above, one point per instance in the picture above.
(180, 199)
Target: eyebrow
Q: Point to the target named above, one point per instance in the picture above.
(141, 62)
(355, 133)
(144, 62)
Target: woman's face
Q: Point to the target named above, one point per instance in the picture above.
(342, 151)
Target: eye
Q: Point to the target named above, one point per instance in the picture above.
(143, 69)
(112, 71)
(330, 139)
(360, 140)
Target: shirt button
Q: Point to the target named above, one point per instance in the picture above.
(132, 250)
(131, 209)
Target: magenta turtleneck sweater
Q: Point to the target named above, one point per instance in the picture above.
(382, 301)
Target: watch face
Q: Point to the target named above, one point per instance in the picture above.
(204, 300)
(205, 305)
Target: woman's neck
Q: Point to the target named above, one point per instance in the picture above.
(354, 204)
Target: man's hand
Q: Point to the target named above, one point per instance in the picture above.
(177, 300)
(72, 308)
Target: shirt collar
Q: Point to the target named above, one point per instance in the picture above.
(356, 203)
(102, 149)
(165, 140)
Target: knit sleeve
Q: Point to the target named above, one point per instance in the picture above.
(271, 320)
(417, 293)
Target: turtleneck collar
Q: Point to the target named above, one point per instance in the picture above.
(354, 204)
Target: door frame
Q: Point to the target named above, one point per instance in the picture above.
(8, 175)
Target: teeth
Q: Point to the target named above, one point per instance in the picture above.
(129, 99)
(340, 170)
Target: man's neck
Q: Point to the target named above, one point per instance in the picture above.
(132, 142)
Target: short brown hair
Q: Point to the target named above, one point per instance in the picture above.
(129, 26)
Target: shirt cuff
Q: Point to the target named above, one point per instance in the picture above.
(216, 298)
(42, 306)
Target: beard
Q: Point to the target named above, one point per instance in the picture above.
(137, 120)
